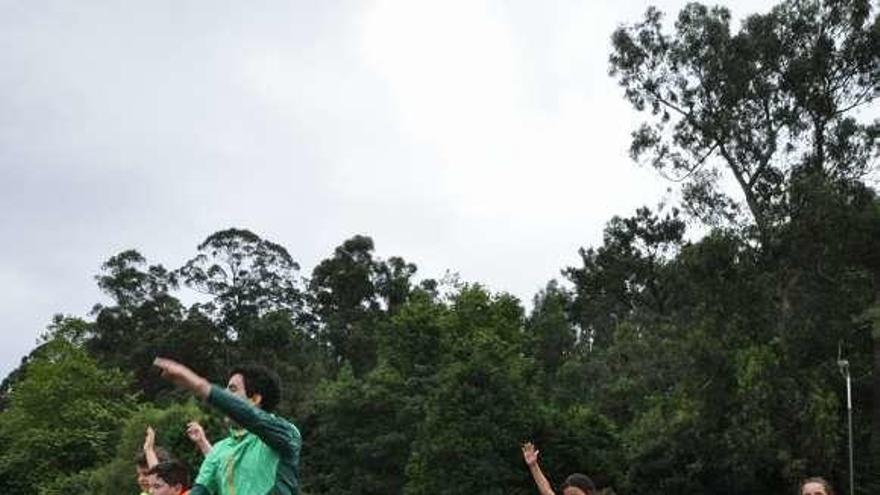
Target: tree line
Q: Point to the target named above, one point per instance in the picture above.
(659, 363)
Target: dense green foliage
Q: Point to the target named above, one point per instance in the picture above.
(660, 364)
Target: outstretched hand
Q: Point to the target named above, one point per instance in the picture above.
(530, 453)
(182, 376)
(196, 434)
(172, 370)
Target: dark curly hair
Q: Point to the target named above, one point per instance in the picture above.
(172, 472)
(259, 379)
(581, 481)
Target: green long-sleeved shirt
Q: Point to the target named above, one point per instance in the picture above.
(263, 460)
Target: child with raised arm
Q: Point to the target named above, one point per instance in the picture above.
(149, 456)
(575, 484)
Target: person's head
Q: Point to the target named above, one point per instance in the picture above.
(815, 486)
(578, 484)
(168, 478)
(142, 468)
(257, 383)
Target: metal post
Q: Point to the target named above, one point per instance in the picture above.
(844, 370)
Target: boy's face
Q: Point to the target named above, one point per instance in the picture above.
(159, 487)
(143, 478)
(236, 386)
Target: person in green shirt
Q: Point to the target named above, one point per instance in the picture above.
(261, 454)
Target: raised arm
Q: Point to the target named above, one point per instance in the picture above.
(196, 434)
(530, 455)
(150, 448)
(182, 376)
(277, 433)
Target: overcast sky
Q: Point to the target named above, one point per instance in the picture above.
(481, 137)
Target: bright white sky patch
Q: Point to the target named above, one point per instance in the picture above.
(483, 137)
